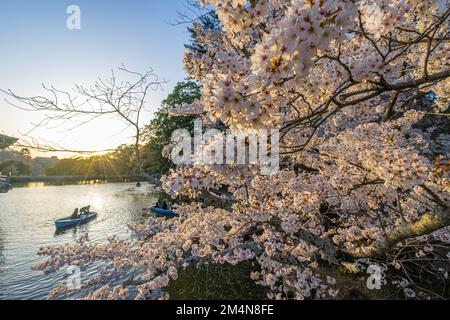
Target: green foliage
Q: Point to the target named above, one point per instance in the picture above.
(184, 92)
(26, 153)
(118, 163)
(158, 133)
(15, 168)
(209, 21)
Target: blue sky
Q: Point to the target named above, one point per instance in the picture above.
(37, 47)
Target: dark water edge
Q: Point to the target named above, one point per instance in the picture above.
(217, 282)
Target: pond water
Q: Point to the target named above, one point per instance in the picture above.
(27, 218)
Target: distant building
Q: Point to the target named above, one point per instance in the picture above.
(38, 164)
(6, 141)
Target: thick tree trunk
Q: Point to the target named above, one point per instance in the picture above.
(211, 198)
(138, 154)
(323, 244)
(428, 223)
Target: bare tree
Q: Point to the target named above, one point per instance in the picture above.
(124, 99)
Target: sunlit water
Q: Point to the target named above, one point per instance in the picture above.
(27, 218)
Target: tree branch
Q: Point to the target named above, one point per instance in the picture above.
(427, 224)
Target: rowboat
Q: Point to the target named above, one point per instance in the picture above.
(163, 212)
(70, 222)
(5, 184)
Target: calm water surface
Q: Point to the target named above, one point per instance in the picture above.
(27, 218)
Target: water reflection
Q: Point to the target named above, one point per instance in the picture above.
(68, 182)
(2, 245)
(27, 218)
(75, 232)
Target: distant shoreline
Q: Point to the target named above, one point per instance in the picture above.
(63, 180)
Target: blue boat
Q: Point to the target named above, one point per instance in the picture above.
(163, 212)
(70, 222)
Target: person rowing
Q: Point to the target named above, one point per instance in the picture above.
(75, 214)
(85, 210)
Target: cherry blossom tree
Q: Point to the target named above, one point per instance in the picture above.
(359, 92)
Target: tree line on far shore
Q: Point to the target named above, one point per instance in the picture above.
(120, 162)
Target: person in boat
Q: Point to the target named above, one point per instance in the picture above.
(165, 206)
(75, 214)
(85, 210)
